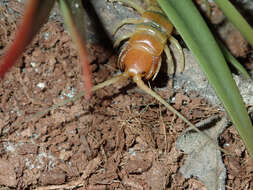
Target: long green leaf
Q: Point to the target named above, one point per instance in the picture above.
(236, 18)
(230, 58)
(191, 26)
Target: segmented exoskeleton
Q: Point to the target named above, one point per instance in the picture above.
(141, 55)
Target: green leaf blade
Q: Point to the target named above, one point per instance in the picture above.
(186, 18)
(230, 58)
(236, 18)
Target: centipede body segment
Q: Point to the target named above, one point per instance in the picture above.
(141, 55)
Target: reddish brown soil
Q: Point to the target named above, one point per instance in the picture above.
(120, 139)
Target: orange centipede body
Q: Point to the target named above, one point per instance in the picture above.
(141, 55)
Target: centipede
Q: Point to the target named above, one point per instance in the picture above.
(141, 54)
(140, 57)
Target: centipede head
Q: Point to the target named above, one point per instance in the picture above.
(138, 61)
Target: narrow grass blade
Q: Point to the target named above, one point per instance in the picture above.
(236, 18)
(189, 23)
(230, 58)
(73, 13)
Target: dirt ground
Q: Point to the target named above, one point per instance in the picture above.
(120, 139)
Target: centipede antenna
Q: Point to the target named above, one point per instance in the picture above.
(110, 81)
(113, 80)
(41, 113)
(137, 79)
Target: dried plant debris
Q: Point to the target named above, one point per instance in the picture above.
(204, 158)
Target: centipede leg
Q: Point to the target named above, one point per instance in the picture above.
(132, 4)
(122, 38)
(169, 60)
(126, 21)
(157, 69)
(180, 49)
